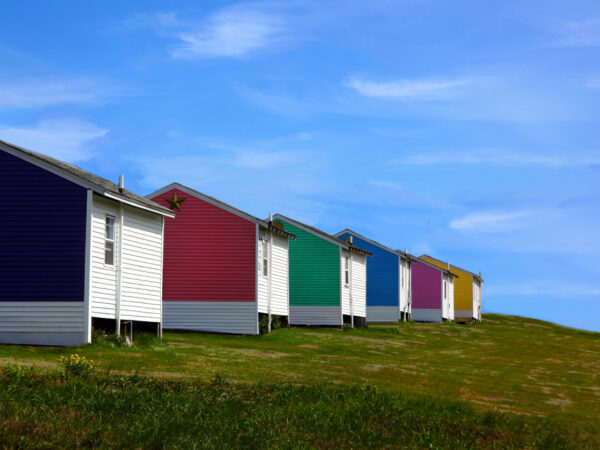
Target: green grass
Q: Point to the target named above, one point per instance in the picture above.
(509, 381)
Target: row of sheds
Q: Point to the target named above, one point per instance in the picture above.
(80, 252)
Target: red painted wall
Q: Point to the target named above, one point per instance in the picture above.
(426, 286)
(209, 253)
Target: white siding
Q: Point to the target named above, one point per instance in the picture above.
(451, 298)
(382, 314)
(279, 276)
(103, 278)
(141, 263)
(345, 287)
(141, 269)
(315, 315)
(42, 323)
(214, 317)
(448, 299)
(359, 285)
(404, 285)
(476, 300)
(279, 273)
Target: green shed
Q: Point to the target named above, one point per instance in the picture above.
(328, 277)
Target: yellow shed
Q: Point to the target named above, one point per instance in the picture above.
(467, 291)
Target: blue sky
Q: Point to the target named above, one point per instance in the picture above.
(467, 130)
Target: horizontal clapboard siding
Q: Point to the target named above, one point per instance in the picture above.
(42, 323)
(404, 286)
(314, 269)
(427, 315)
(359, 285)
(426, 287)
(316, 315)
(382, 314)
(345, 287)
(279, 276)
(382, 272)
(141, 266)
(42, 234)
(210, 253)
(103, 278)
(215, 317)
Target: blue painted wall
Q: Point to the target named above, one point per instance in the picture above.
(382, 274)
(42, 234)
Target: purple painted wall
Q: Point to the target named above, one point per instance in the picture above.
(42, 234)
(426, 286)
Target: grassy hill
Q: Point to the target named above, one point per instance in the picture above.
(509, 381)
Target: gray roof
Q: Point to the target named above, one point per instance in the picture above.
(327, 236)
(232, 209)
(454, 267)
(77, 175)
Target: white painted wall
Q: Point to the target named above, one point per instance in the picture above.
(141, 293)
(359, 285)
(279, 272)
(404, 285)
(103, 278)
(476, 300)
(345, 287)
(141, 264)
(280, 276)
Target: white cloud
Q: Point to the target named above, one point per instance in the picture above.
(579, 34)
(406, 89)
(232, 32)
(67, 139)
(497, 158)
(488, 221)
(34, 93)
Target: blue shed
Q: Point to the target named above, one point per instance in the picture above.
(77, 252)
(388, 279)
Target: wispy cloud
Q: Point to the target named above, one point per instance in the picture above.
(491, 221)
(406, 89)
(232, 32)
(67, 139)
(36, 93)
(498, 158)
(584, 33)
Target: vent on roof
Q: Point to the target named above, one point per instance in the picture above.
(121, 183)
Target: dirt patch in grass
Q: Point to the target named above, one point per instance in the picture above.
(308, 346)
(258, 353)
(373, 367)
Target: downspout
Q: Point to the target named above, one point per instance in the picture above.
(351, 297)
(87, 298)
(269, 268)
(162, 266)
(119, 270)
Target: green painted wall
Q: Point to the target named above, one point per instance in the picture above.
(314, 269)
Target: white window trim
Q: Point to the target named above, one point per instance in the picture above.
(265, 258)
(113, 240)
(346, 271)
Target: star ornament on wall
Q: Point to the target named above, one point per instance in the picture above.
(175, 202)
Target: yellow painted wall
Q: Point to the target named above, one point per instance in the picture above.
(463, 286)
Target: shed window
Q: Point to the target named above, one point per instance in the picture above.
(109, 241)
(265, 258)
(346, 271)
(445, 289)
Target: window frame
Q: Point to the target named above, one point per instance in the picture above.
(110, 240)
(346, 271)
(265, 258)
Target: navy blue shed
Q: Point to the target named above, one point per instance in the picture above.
(388, 279)
(53, 232)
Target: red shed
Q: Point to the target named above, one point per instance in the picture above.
(222, 266)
